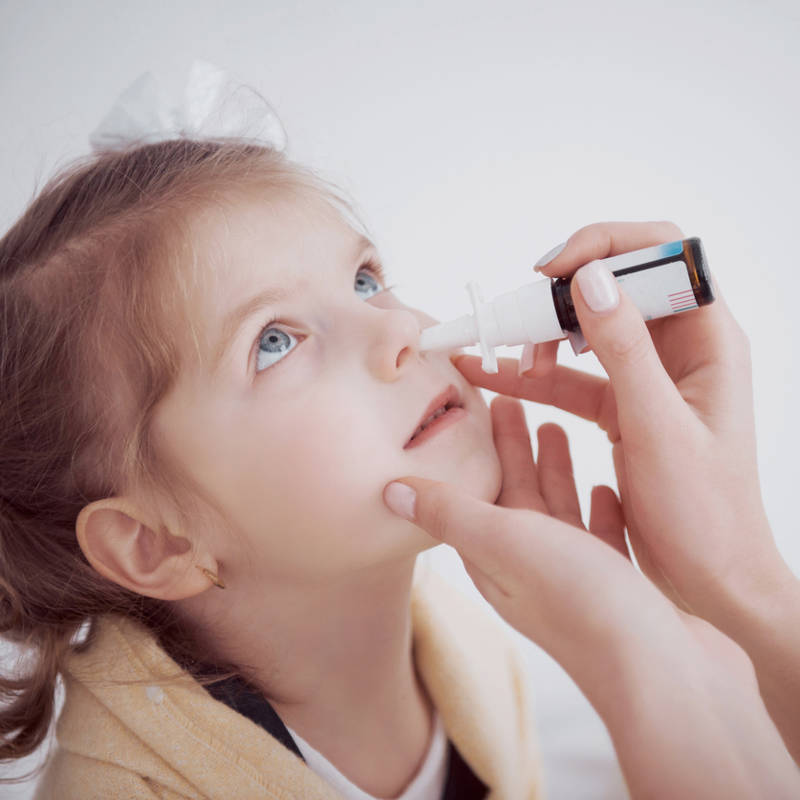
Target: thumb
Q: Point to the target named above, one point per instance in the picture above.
(542, 575)
(615, 330)
(476, 529)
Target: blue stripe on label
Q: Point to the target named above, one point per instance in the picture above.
(670, 249)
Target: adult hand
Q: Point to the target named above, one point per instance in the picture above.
(658, 677)
(679, 412)
(531, 557)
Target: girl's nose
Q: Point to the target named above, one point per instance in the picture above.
(395, 343)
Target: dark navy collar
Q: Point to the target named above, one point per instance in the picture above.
(461, 783)
(237, 694)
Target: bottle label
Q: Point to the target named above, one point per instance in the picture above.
(660, 290)
(635, 258)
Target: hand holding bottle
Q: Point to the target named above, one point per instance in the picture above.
(678, 411)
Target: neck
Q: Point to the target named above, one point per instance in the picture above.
(331, 656)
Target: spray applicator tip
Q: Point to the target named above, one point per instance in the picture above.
(448, 335)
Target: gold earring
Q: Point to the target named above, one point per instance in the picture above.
(211, 576)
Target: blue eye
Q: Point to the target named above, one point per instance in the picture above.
(274, 342)
(367, 282)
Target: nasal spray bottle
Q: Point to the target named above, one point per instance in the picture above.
(661, 280)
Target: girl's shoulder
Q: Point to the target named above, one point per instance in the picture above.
(473, 668)
(72, 776)
(135, 725)
(453, 614)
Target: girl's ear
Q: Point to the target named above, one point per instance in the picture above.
(148, 561)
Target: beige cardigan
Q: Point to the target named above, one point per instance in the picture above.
(176, 741)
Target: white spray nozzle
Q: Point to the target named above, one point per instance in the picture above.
(484, 324)
(525, 315)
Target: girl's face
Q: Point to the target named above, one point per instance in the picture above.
(297, 414)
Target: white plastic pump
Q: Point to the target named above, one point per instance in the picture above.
(524, 315)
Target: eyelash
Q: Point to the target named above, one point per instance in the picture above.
(371, 264)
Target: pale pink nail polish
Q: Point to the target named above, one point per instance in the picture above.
(598, 287)
(549, 256)
(401, 499)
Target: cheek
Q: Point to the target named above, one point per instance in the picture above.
(322, 465)
(319, 507)
(336, 446)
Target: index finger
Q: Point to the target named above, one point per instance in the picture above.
(571, 390)
(606, 239)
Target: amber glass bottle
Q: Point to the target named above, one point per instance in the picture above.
(661, 280)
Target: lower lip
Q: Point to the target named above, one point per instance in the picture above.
(439, 424)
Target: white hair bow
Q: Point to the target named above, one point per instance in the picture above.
(212, 107)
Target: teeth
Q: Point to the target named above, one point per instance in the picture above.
(429, 420)
(432, 417)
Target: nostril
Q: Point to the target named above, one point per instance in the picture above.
(403, 356)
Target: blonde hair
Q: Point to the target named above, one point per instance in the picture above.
(89, 278)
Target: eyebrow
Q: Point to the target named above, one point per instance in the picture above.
(264, 299)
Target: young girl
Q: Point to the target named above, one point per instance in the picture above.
(206, 385)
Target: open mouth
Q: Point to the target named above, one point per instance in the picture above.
(443, 411)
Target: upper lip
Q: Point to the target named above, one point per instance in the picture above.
(449, 396)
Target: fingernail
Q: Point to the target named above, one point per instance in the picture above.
(598, 287)
(401, 499)
(549, 256)
(527, 359)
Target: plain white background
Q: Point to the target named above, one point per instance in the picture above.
(474, 137)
